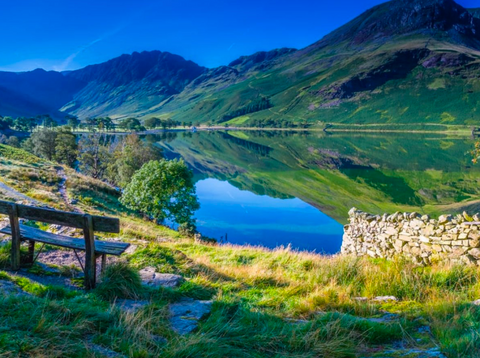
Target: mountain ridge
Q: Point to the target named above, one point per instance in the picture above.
(429, 47)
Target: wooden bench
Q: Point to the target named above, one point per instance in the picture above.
(93, 248)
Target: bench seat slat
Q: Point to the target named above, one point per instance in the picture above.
(101, 247)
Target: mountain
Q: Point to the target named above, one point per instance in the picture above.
(130, 83)
(401, 62)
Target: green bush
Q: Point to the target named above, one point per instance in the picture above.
(119, 280)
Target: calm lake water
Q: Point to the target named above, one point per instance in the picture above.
(241, 217)
(273, 189)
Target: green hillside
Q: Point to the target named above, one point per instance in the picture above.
(404, 62)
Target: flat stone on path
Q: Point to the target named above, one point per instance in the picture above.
(154, 279)
(184, 315)
(131, 306)
(105, 352)
(415, 353)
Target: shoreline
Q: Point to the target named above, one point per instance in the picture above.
(455, 130)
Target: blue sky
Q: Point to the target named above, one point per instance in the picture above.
(70, 34)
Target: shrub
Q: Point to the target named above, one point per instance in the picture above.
(119, 280)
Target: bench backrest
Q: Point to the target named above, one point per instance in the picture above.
(100, 223)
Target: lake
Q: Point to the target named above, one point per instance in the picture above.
(285, 188)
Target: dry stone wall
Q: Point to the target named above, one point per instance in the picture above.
(418, 237)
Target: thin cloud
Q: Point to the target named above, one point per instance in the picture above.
(66, 63)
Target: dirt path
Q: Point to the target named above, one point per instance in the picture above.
(16, 195)
(62, 189)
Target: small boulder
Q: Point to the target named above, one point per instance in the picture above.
(443, 219)
(384, 299)
(184, 315)
(131, 306)
(154, 279)
(360, 299)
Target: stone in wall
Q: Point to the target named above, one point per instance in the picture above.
(423, 240)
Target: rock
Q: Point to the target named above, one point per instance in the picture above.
(352, 211)
(413, 215)
(105, 352)
(443, 219)
(131, 306)
(184, 315)
(475, 253)
(425, 330)
(476, 302)
(9, 288)
(154, 279)
(416, 352)
(131, 249)
(419, 238)
(360, 299)
(384, 299)
(387, 317)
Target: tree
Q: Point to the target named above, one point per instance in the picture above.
(72, 121)
(13, 142)
(164, 190)
(24, 124)
(43, 143)
(131, 124)
(66, 148)
(152, 122)
(129, 155)
(47, 121)
(94, 155)
(5, 123)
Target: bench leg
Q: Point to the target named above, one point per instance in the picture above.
(104, 263)
(90, 259)
(31, 252)
(16, 240)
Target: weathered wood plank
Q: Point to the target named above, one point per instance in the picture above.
(101, 247)
(90, 258)
(100, 223)
(4, 207)
(16, 236)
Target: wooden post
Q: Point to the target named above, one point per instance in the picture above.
(16, 240)
(31, 251)
(104, 262)
(90, 259)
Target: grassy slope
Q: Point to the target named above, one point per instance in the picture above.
(267, 303)
(438, 95)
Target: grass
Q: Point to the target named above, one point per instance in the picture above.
(267, 303)
(12, 153)
(119, 280)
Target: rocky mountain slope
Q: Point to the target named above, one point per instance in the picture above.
(405, 61)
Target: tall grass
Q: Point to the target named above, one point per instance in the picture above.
(120, 280)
